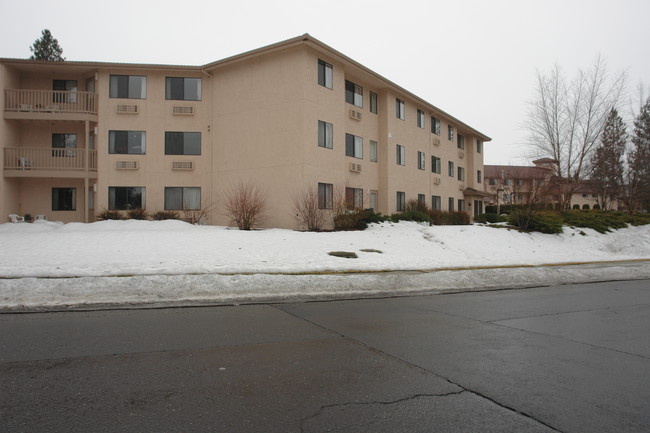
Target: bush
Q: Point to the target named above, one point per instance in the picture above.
(411, 215)
(163, 215)
(444, 218)
(417, 205)
(137, 214)
(539, 221)
(490, 218)
(245, 205)
(106, 215)
(357, 220)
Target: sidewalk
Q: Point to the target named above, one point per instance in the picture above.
(152, 291)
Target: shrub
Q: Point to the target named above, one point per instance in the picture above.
(308, 215)
(444, 218)
(245, 205)
(163, 215)
(106, 215)
(416, 205)
(137, 214)
(411, 215)
(490, 218)
(357, 220)
(539, 221)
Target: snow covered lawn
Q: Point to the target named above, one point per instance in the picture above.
(173, 247)
(205, 262)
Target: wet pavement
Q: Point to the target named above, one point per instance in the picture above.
(569, 358)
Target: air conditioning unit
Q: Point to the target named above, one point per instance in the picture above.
(183, 110)
(355, 114)
(461, 154)
(355, 167)
(126, 165)
(126, 108)
(182, 165)
(436, 181)
(436, 141)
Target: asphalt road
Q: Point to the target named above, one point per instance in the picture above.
(569, 358)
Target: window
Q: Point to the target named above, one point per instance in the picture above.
(64, 86)
(422, 199)
(461, 173)
(460, 142)
(64, 198)
(450, 132)
(401, 201)
(127, 142)
(420, 160)
(353, 93)
(125, 197)
(353, 146)
(479, 176)
(492, 181)
(182, 198)
(183, 89)
(435, 125)
(325, 134)
(436, 202)
(436, 165)
(325, 195)
(507, 182)
(461, 205)
(479, 146)
(128, 86)
(182, 143)
(399, 109)
(420, 118)
(64, 141)
(401, 155)
(450, 166)
(451, 204)
(373, 102)
(354, 198)
(373, 151)
(324, 74)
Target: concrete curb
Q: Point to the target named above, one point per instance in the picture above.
(157, 291)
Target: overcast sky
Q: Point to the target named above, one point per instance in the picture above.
(475, 59)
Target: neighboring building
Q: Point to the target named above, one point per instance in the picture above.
(81, 137)
(538, 184)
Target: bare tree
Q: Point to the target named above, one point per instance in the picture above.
(245, 205)
(566, 119)
(308, 213)
(607, 162)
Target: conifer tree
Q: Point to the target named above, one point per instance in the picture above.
(637, 176)
(607, 161)
(46, 48)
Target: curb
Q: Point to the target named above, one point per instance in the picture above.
(162, 291)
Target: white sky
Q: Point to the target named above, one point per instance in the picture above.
(475, 59)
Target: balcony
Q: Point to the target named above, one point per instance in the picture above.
(50, 105)
(48, 162)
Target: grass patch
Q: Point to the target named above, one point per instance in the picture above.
(344, 254)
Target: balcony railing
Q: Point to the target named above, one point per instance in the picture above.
(43, 158)
(50, 101)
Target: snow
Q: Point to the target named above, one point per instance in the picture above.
(46, 264)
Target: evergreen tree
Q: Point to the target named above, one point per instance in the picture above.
(637, 178)
(46, 48)
(607, 161)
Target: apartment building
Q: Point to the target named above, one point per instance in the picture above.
(534, 185)
(81, 137)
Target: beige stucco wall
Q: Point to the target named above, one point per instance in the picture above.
(258, 120)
